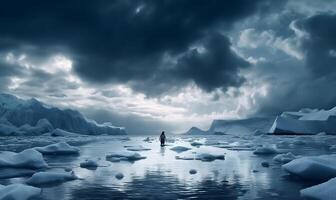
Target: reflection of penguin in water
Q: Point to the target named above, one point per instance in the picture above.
(162, 138)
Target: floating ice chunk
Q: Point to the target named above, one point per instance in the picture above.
(201, 156)
(138, 148)
(43, 178)
(208, 157)
(332, 147)
(29, 158)
(180, 149)
(61, 148)
(119, 176)
(127, 156)
(18, 192)
(196, 144)
(284, 158)
(185, 157)
(266, 150)
(323, 191)
(313, 167)
(91, 164)
(192, 171)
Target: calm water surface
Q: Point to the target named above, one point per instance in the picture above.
(162, 176)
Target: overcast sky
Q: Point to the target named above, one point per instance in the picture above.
(150, 65)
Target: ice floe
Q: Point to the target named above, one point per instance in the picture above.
(265, 150)
(180, 149)
(284, 157)
(124, 156)
(323, 191)
(44, 178)
(313, 167)
(196, 144)
(18, 192)
(28, 158)
(61, 148)
(90, 164)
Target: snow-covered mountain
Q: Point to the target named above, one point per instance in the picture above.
(240, 126)
(32, 117)
(305, 121)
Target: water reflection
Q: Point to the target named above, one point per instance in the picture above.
(160, 185)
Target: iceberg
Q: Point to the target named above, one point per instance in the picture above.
(18, 192)
(313, 167)
(43, 178)
(323, 191)
(124, 156)
(209, 157)
(305, 121)
(32, 117)
(29, 159)
(61, 148)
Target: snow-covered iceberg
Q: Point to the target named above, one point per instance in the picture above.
(305, 121)
(313, 167)
(18, 192)
(323, 191)
(32, 117)
(29, 159)
(43, 178)
(61, 148)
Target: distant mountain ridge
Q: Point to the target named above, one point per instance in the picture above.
(239, 126)
(18, 116)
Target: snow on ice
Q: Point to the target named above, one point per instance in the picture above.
(61, 148)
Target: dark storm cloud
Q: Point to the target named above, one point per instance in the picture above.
(320, 44)
(217, 67)
(308, 83)
(125, 41)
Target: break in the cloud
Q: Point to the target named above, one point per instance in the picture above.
(151, 65)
